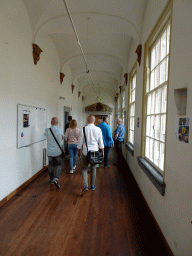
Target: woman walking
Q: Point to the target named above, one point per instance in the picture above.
(72, 136)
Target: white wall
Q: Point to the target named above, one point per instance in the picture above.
(22, 82)
(173, 212)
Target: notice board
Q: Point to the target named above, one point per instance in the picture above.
(31, 124)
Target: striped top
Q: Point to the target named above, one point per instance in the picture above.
(72, 135)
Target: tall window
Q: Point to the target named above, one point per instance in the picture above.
(123, 108)
(119, 106)
(132, 91)
(157, 62)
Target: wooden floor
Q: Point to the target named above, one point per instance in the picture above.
(112, 220)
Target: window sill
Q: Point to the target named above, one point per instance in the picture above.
(129, 148)
(153, 175)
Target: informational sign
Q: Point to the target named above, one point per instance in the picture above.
(182, 129)
(31, 124)
(26, 118)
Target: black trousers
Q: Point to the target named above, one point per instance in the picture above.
(118, 147)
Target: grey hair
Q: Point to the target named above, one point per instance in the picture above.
(119, 119)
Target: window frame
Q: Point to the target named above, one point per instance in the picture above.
(152, 172)
(131, 75)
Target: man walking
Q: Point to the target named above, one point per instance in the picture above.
(119, 137)
(54, 152)
(107, 139)
(94, 142)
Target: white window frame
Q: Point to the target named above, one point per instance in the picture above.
(163, 22)
(123, 105)
(131, 103)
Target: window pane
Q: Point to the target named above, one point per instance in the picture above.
(133, 96)
(157, 76)
(152, 84)
(158, 101)
(163, 71)
(164, 100)
(167, 68)
(161, 157)
(158, 53)
(156, 153)
(132, 123)
(153, 58)
(151, 149)
(163, 127)
(134, 82)
(147, 147)
(163, 45)
(157, 127)
(148, 126)
(152, 127)
(168, 38)
(131, 133)
(149, 104)
(153, 103)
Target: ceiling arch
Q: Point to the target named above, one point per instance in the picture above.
(105, 32)
(132, 28)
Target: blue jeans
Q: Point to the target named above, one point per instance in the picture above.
(54, 162)
(73, 154)
(106, 155)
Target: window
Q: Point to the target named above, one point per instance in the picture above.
(156, 87)
(132, 91)
(119, 106)
(123, 108)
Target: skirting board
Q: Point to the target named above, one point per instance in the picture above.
(4, 200)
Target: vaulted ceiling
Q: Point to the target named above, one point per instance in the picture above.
(105, 29)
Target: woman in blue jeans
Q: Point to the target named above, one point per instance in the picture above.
(72, 136)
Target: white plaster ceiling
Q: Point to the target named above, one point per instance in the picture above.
(105, 30)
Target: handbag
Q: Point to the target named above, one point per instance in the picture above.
(63, 153)
(94, 157)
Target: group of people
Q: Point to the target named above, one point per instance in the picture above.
(98, 137)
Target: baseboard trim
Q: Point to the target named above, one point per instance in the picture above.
(155, 221)
(8, 197)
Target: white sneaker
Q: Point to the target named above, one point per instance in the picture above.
(74, 167)
(71, 171)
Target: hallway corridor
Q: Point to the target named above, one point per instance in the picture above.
(112, 220)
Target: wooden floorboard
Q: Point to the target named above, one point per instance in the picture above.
(112, 220)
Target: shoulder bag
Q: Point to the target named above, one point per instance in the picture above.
(94, 157)
(63, 154)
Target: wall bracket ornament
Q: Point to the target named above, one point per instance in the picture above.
(120, 89)
(61, 77)
(139, 52)
(79, 93)
(36, 53)
(73, 86)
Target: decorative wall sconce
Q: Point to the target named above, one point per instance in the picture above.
(82, 98)
(139, 52)
(126, 78)
(181, 100)
(73, 86)
(115, 99)
(36, 53)
(120, 88)
(79, 93)
(61, 77)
